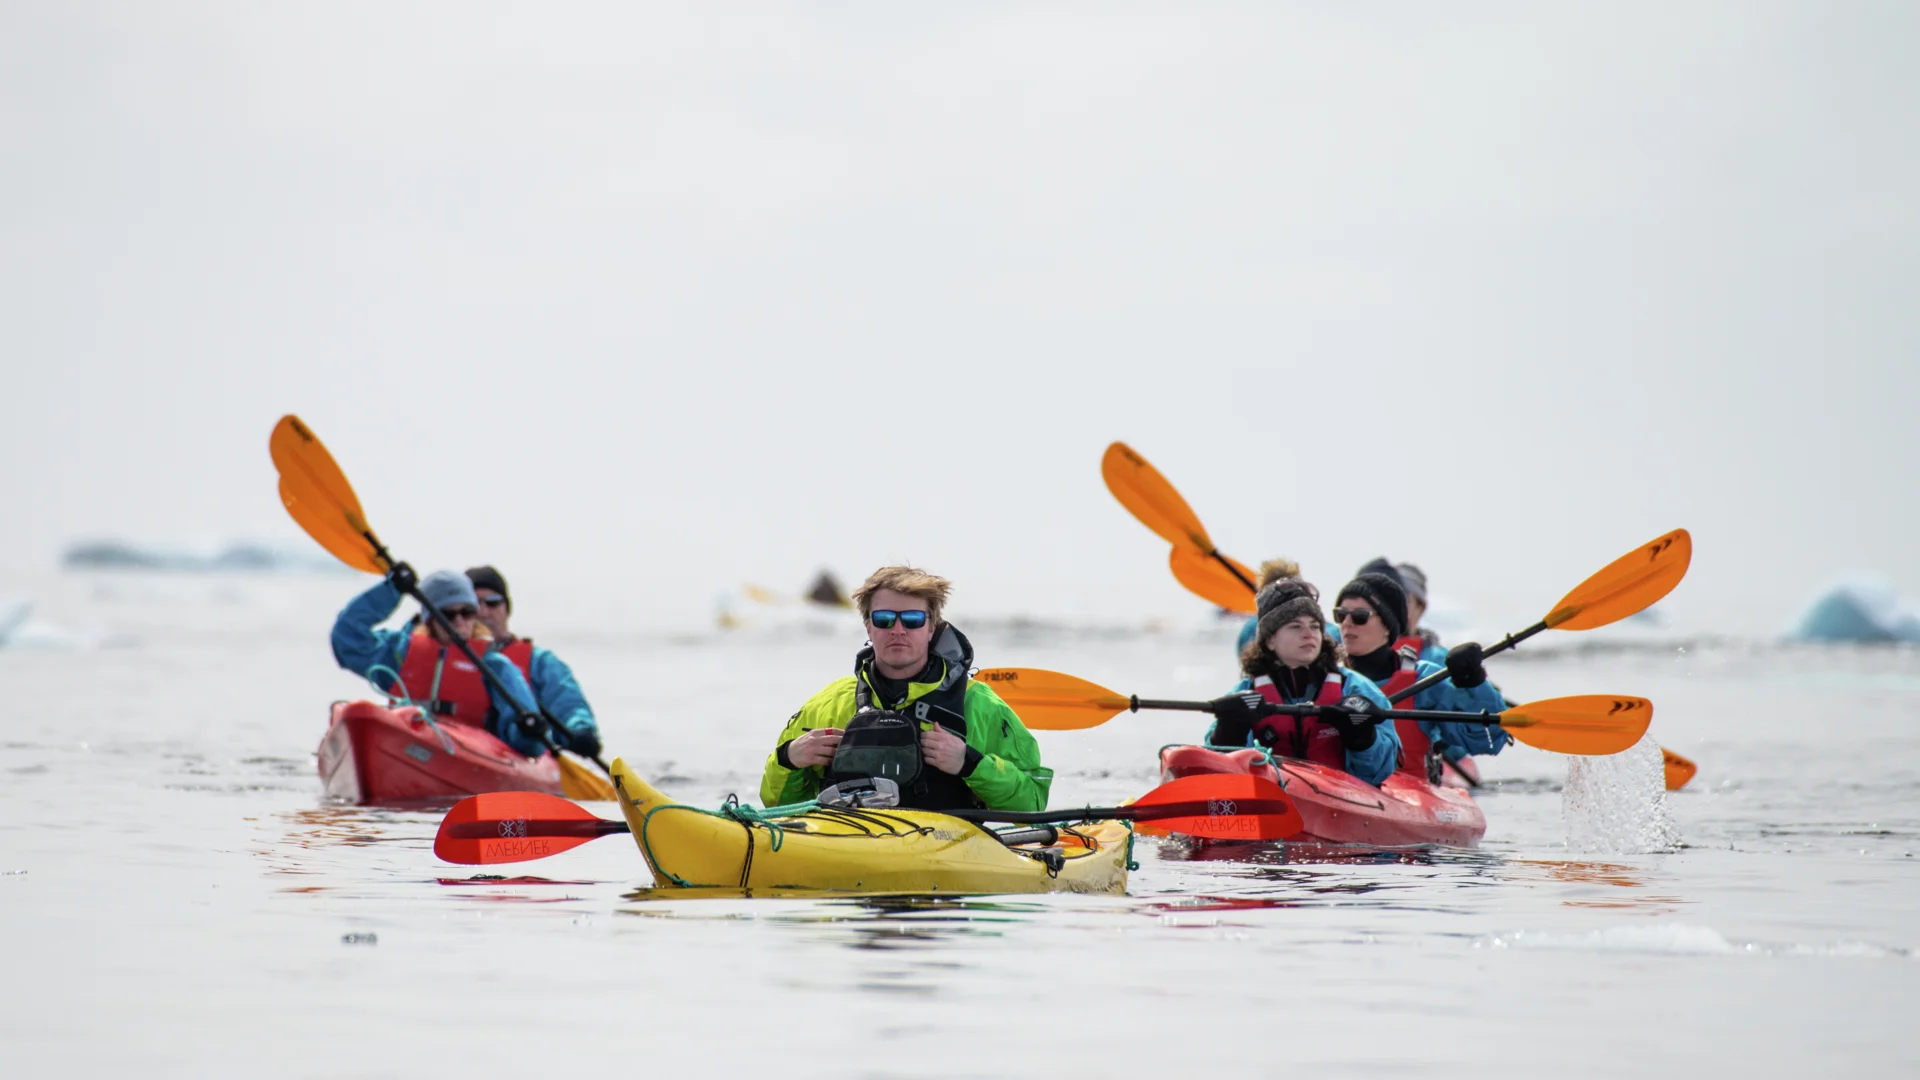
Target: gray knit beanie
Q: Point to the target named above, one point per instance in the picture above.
(1283, 601)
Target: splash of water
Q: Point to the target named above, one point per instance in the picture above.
(1617, 805)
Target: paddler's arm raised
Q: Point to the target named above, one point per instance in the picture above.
(1458, 740)
(358, 646)
(1003, 761)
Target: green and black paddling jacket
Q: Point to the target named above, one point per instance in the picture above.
(1003, 770)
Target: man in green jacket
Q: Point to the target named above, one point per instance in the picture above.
(974, 751)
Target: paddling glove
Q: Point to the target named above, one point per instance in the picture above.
(584, 741)
(403, 578)
(1234, 716)
(1464, 666)
(535, 727)
(1349, 718)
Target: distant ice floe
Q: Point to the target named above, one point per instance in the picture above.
(1863, 611)
(1679, 939)
(238, 557)
(18, 631)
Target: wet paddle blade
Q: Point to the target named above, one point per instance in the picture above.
(516, 826)
(578, 781)
(1585, 724)
(1147, 496)
(1205, 578)
(1679, 769)
(1050, 701)
(1629, 584)
(328, 526)
(1223, 806)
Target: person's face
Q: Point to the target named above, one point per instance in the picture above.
(1416, 610)
(1297, 641)
(1360, 640)
(462, 616)
(898, 651)
(493, 612)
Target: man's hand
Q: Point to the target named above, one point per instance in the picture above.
(943, 750)
(816, 747)
(1464, 666)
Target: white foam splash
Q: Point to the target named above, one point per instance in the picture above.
(1675, 940)
(1617, 805)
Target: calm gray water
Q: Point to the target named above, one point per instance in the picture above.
(178, 899)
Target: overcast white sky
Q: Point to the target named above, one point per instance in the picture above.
(650, 300)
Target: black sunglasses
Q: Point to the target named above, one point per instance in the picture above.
(883, 619)
(494, 601)
(460, 612)
(1359, 615)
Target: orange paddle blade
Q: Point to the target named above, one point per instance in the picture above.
(516, 826)
(1679, 769)
(1221, 806)
(1628, 584)
(1147, 496)
(1586, 724)
(328, 526)
(577, 781)
(1051, 701)
(316, 493)
(1205, 578)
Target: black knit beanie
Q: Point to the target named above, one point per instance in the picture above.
(1283, 601)
(486, 577)
(1384, 593)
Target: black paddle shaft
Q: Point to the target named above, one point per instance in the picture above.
(440, 620)
(1331, 710)
(1501, 646)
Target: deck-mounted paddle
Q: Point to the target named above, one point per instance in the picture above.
(517, 826)
(316, 493)
(1586, 724)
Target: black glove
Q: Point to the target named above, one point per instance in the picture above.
(1464, 666)
(403, 578)
(585, 742)
(1234, 716)
(1352, 720)
(535, 727)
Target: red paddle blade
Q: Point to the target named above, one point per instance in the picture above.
(1220, 807)
(516, 826)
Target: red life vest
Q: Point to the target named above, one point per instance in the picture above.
(520, 651)
(443, 681)
(1413, 742)
(1306, 736)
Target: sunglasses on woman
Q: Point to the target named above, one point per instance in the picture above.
(884, 620)
(1358, 615)
(460, 612)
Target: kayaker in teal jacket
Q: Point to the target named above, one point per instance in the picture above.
(430, 671)
(910, 712)
(1371, 611)
(1291, 660)
(554, 687)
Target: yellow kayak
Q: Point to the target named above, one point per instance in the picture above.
(868, 851)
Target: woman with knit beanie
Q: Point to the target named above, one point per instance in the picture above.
(1371, 612)
(1291, 661)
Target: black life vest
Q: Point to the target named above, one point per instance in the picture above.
(884, 738)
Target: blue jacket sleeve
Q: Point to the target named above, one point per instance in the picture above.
(554, 687)
(1243, 684)
(507, 710)
(1457, 740)
(1376, 762)
(358, 646)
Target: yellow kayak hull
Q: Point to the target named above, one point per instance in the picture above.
(865, 851)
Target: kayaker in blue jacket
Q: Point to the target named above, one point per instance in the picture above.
(430, 671)
(1291, 660)
(554, 687)
(1371, 611)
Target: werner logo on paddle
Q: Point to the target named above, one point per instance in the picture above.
(514, 827)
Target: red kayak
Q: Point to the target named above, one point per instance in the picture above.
(1340, 808)
(376, 754)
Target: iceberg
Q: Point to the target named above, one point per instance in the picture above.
(1867, 611)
